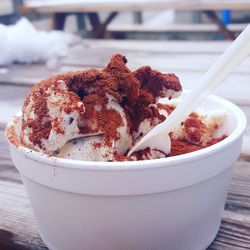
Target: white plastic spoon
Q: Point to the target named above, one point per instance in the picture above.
(158, 137)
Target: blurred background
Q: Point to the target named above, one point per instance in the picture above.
(133, 19)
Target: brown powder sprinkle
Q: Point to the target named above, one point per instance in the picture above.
(42, 125)
(146, 154)
(179, 147)
(155, 82)
(121, 158)
(195, 129)
(135, 91)
(168, 108)
(11, 132)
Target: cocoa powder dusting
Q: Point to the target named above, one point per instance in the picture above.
(119, 82)
(140, 154)
(110, 127)
(136, 92)
(56, 123)
(143, 110)
(168, 108)
(11, 132)
(179, 147)
(194, 130)
(121, 158)
(155, 82)
(42, 125)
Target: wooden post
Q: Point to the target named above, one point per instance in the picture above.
(222, 28)
(59, 20)
(137, 17)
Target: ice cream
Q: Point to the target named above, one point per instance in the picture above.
(201, 129)
(98, 115)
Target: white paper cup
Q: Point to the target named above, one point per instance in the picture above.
(173, 203)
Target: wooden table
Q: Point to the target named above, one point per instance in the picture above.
(93, 7)
(133, 5)
(189, 60)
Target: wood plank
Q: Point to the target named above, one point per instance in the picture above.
(132, 5)
(6, 7)
(20, 75)
(11, 101)
(7, 170)
(176, 47)
(239, 191)
(18, 226)
(95, 54)
(232, 235)
(189, 65)
(176, 27)
(23, 74)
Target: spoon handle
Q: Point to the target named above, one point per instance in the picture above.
(229, 60)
